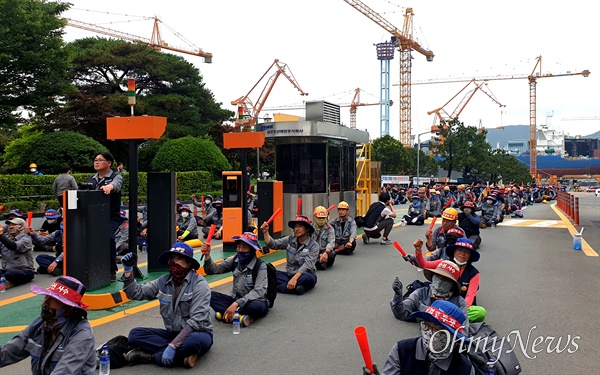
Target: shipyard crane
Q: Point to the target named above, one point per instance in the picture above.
(532, 79)
(155, 41)
(443, 116)
(405, 44)
(355, 104)
(248, 111)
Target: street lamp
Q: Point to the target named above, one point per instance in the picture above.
(418, 156)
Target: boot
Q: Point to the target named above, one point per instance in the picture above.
(138, 357)
(190, 361)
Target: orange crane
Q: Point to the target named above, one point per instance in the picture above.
(247, 111)
(155, 41)
(443, 116)
(355, 104)
(532, 78)
(406, 44)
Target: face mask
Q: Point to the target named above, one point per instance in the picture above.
(207, 201)
(320, 221)
(489, 201)
(219, 208)
(185, 214)
(178, 272)
(49, 314)
(441, 288)
(459, 263)
(468, 211)
(439, 347)
(245, 258)
(416, 203)
(51, 221)
(33, 170)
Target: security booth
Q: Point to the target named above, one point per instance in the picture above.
(315, 158)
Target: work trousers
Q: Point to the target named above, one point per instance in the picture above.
(221, 302)
(307, 281)
(44, 261)
(155, 341)
(340, 248)
(17, 277)
(384, 225)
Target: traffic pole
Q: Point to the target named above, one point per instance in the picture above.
(577, 211)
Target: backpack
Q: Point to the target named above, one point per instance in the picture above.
(485, 344)
(271, 280)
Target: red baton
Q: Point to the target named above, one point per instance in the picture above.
(299, 210)
(363, 343)
(400, 249)
(211, 233)
(432, 222)
(331, 207)
(29, 217)
(449, 203)
(277, 212)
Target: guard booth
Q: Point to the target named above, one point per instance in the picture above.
(315, 158)
(233, 193)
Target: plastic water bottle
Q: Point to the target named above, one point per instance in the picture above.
(236, 323)
(144, 247)
(2, 284)
(491, 368)
(403, 222)
(493, 224)
(104, 361)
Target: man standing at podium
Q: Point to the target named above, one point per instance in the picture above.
(110, 183)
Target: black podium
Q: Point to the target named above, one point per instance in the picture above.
(87, 238)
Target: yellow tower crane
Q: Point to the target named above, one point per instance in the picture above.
(405, 44)
(532, 78)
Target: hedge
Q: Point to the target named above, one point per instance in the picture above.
(34, 193)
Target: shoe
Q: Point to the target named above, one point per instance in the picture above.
(385, 241)
(190, 361)
(218, 316)
(58, 271)
(300, 290)
(138, 357)
(365, 238)
(39, 270)
(8, 285)
(321, 266)
(246, 320)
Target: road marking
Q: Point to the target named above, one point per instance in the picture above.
(587, 249)
(532, 223)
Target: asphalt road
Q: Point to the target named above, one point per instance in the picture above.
(532, 284)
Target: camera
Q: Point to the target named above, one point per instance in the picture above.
(86, 186)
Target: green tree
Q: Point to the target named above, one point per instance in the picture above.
(51, 150)
(427, 164)
(460, 147)
(190, 154)
(393, 156)
(16, 160)
(166, 85)
(499, 165)
(33, 62)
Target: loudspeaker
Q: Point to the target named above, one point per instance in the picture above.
(162, 196)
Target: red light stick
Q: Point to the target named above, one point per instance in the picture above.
(432, 223)
(277, 212)
(363, 343)
(449, 203)
(211, 233)
(471, 196)
(299, 210)
(202, 200)
(401, 250)
(29, 217)
(331, 207)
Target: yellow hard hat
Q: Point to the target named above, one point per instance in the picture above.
(320, 211)
(343, 205)
(32, 165)
(450, 214)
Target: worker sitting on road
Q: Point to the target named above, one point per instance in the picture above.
(452, 235)
(185, 309)
(469, 221)
(48, 264)
(416, 211)
(324, 235)
(214, 216)
(444, 286)
(188, 227)
(344, 228)
(464, 255)
(490, 212)
(437, 238)
(249, 293)
(17, 253)
(434, 204)
(302, 253)
(436, 350)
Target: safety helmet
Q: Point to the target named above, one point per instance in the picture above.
(450, 214)
(343, 205)
(32, 165)
(467, 204)
(446, 188)
(320, 211)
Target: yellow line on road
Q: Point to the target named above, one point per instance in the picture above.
(587, 249)
(133, 310)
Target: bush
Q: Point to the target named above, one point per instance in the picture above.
(190, 154)
(51, 150)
